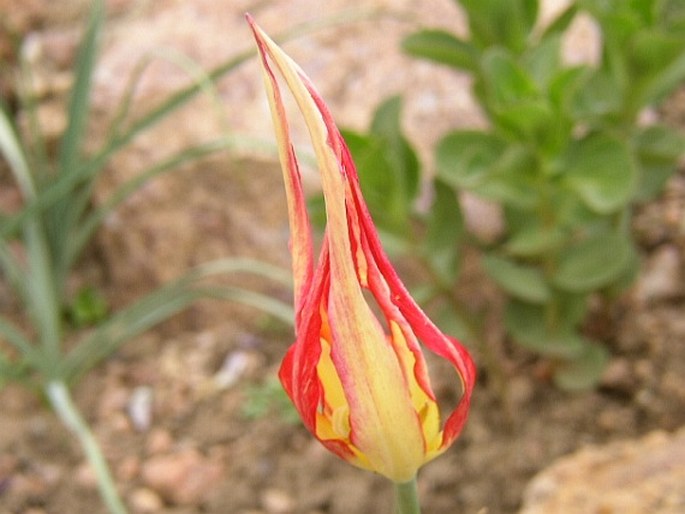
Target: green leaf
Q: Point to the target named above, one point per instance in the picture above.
(600, 95)
(441, 47)
(506, 83)
(543, 60)
(465, 158)
(512, 179)
(13, 153)
(89, 307)
(562, 22)
(625, 280)
(444, 233)
(388, 168)
(570, 211)
(316, 207)
(658, 149)
(564, 85)
(530, 326)
(658, 63)
(594, 262)
(661, 84)
(654, 49)
(80, 93)
(400, 154)
(530, 120)
(672, 15)
(601, 171)
(508, 24)
(535, 241)
(523, 282)
(659, 142)
(12, 335)
(168, 300)
(379, 182)
(585, 370)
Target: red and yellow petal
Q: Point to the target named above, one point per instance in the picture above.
(359, 382)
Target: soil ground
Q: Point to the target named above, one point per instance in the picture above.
(210, 447)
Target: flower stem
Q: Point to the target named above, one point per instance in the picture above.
(61, 402)
(407, 497)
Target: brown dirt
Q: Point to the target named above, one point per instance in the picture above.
(267, 464)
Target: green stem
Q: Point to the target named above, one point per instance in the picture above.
(61, 402)
(407, 497)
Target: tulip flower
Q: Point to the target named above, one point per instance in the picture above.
(356, 373)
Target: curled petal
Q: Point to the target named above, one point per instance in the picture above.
(359, 380)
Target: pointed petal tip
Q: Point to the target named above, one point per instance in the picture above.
(256, 30)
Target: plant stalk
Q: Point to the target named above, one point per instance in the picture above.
(407, 497)
(61, 402)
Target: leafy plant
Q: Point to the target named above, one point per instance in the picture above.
(40, 246)
(565, 157)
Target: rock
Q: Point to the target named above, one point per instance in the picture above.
(140, 408)
(185, 477)
(234, 367)
(483, 218)
(159, 441)
(277, 502)
(661, 278)
(144, 501)
(631, 477)
(619, 376)
(128, 468)
(85, 476)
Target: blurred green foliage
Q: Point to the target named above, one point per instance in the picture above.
(564, 156)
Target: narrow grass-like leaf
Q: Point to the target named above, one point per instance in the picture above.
(82, 196)
(79, 103)
(65, 184)
(16, 338)
(14, 155)
(267, 304)
(44, 302)
(62, 218)
(242, 265)
(12, 269)
(35, 146)
(167, 301)
(11, 371)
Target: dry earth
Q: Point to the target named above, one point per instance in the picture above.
(199, 452)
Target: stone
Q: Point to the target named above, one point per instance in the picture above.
(627, 477)
(85, 476)
(184, 477)
(276, 501)
(159, 441)
(661, 277)
(144, 501)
